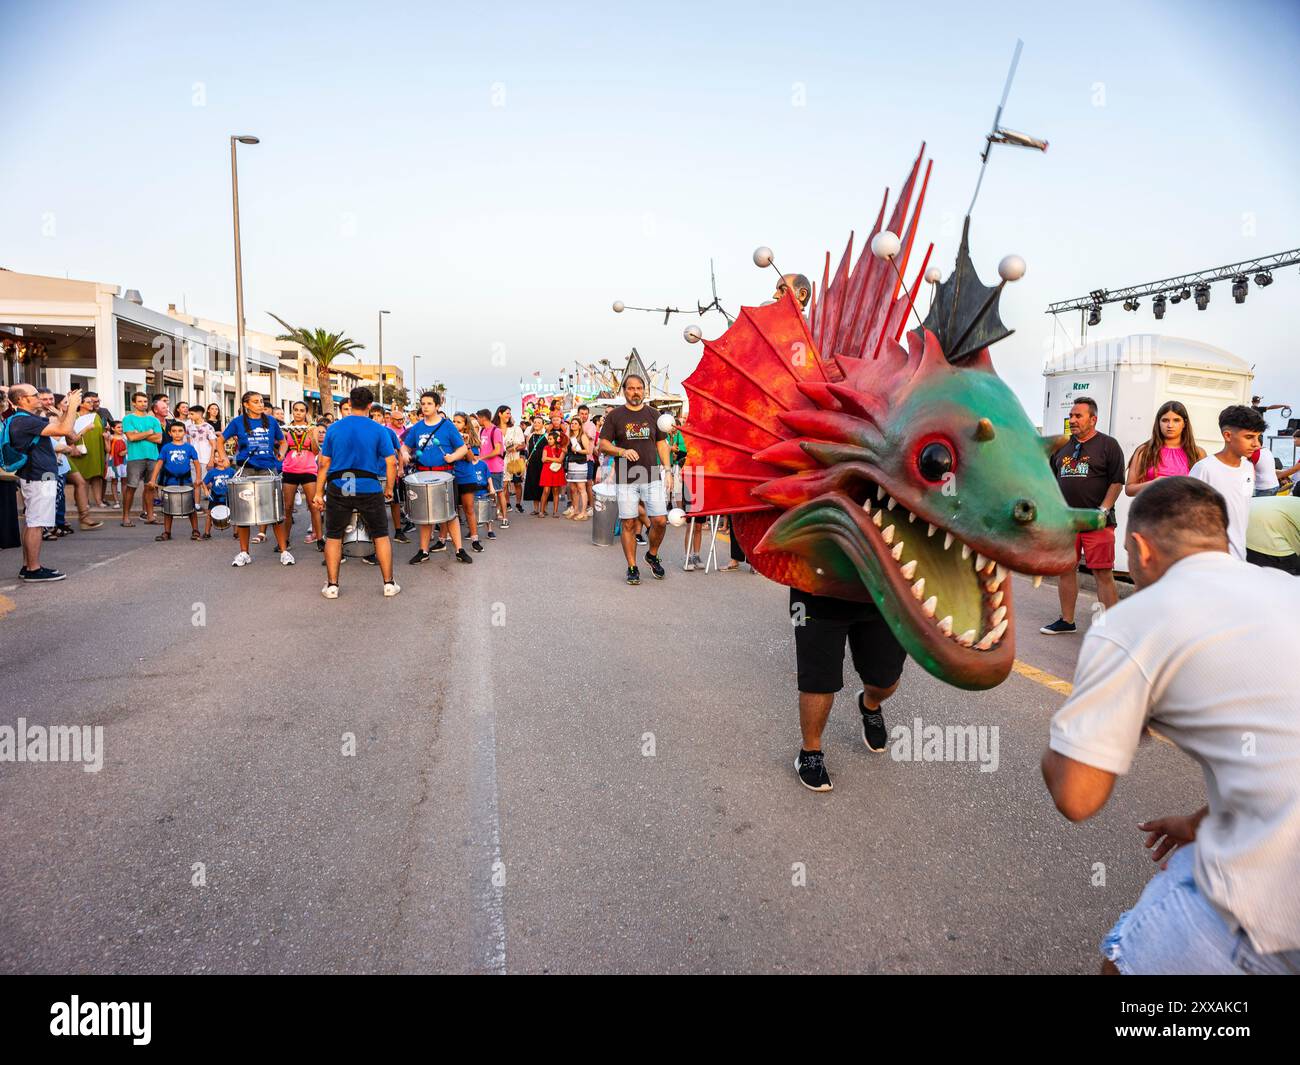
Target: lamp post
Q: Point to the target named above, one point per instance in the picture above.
(239, 269)
(381, 358)
(415, 389)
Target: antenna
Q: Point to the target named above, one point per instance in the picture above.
(1000, 135)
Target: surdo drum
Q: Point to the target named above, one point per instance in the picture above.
(178, 500)
(356, 538)
(430, 497)
(256, 500)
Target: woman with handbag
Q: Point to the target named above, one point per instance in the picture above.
(533, 467)
(516, 466)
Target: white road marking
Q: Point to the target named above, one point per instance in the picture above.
(489, 922)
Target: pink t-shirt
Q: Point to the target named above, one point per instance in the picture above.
(1171, 463)
(491, 441)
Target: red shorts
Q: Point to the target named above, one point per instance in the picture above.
(1097, 548)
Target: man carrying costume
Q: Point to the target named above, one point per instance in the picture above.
(892, 487)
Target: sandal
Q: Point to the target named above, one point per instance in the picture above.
(161, 537)
(196, 535)
(127, 524)
(207, 536)
(259, 538)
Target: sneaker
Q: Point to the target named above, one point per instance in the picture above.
(476, 545)
(505, 523)
(656, 567)
(408, 526)
(640, 539)
(699, 562)
(873, 728)
(391, 588)
(286, 559)
(418, 557)
(519, 507)
(811, 767)
(320, 544)
(568, 512)
(330, 591)
(491, 535)
(689, 564)
(401, 538)
(43, 574)
(436, 546)
(242, 559)
(1059, 626)
(463, 556)
(633, 575)
(370, 560)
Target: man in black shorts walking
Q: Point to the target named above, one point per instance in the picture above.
(822, 624)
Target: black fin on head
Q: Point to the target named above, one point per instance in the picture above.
(964, 314)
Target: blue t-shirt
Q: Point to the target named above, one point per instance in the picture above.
(216, 479)
(25, 435)
(358, 444)
(256, 442)
(430, 443)
(176, 459)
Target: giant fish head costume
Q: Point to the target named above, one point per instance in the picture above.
(860, 464)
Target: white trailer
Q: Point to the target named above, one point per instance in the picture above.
(1130, 377)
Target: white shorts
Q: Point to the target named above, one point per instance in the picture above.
(39, 498)
(652, 495)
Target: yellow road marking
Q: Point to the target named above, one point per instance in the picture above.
(6, 605)
(1064, 687)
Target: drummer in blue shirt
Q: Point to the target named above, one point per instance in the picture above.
(434, 443)
(262, 445)
(356, 472)
(177, 464)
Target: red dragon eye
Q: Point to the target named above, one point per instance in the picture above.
(935, 461)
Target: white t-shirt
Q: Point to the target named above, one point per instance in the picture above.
(1205, 655)
(1237, 486)
(1265, 471)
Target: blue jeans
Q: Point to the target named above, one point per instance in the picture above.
(1173, 929)
(60, 502)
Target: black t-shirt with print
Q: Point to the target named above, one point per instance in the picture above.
(638, 430)
(1085, 471)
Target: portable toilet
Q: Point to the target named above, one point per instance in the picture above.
(1130, 377)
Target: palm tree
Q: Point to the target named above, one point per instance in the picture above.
(324, 348)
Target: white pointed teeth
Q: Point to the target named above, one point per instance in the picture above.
(945, 626)
(1000, 572)
(1038, 579)
(892, 503)
(998, 631)
(930, 529)
(996, 600)
(966, 638)
(876, 518)
(866, 505)
(999, 614)
(980, 561)
(898, 551)
(888, 534)
(928, 607)
(985, 644)
(911, 517)
(918, 589)
(880, 493)
(909, 570)
(947, 540)
(965, 551)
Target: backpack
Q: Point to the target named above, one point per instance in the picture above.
(11, 458)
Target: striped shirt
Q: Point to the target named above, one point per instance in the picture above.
(1205, 655)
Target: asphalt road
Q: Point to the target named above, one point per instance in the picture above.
(503, 810)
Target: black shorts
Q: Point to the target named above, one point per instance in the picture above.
(298, 478)
(339, 507)
(821, 626)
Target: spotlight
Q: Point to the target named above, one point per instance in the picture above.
(1263, 279)
(1175, 298)
(1158, 306)
(1202, 296)
(1185, 294)
(1240, 286)
(1094, 315)
(1131, 305)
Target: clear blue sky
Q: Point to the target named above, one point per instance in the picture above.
(633, 145)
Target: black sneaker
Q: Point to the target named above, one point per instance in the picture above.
(418, 557)
(44, 574)
(811, 767)
(436, 546)
(491, 535)
(401, 537)
(476, 545)
(640, 539)
(874, 734)
(320, 546)
(1058, 627)
(656, 567)
(505, 523)
(519, 507)
(463, 556)
(370, 560)
(408, 527)
(633, 575)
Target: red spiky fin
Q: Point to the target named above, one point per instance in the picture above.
(746, 379)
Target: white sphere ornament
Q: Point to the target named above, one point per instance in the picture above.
(692, 334)
(1011, 268)
(677, 516)
(885, 245)
(763, 256)
(618, 306)
(666, 422)
(933, 275)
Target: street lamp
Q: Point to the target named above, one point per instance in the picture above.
(415, 389)
(239, 270)
(381, 358)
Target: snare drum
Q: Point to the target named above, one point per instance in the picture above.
(178, 500)
(356, 538)
(256, 500)
(485, 508)
(430, 497)
(220, 516)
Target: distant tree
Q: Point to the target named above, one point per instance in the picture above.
(324, 348)
(395, 394)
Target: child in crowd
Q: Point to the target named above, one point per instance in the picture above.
(178, 464)
(214, 484)
(552, 472)
(115, 473)
(1230, 471)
